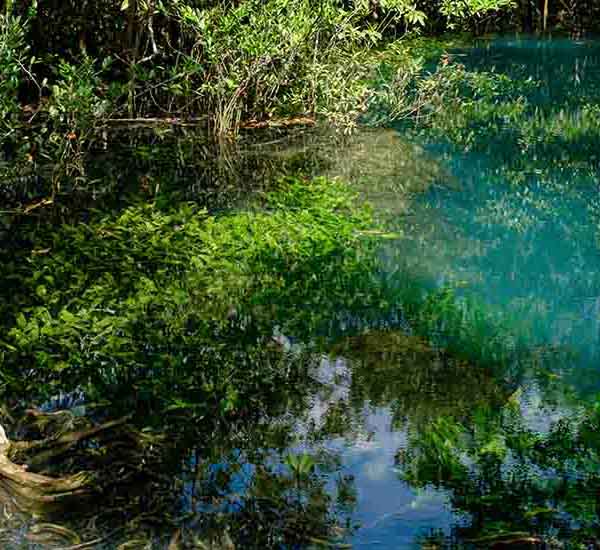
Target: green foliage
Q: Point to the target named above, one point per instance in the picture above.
(75, 103)
(301, 465)
(167, 311)
(157, 285)
(75, 110)
(419, 84)
(471, 11)
(438, 453)
(236, 61)
(13, 58)
(280, 57)
(482, 109)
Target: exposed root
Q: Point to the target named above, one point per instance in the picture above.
(60, 466)
(33, 492)
(55, 445)
(278, 123)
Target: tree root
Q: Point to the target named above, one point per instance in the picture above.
(36, 493)
(53, 446)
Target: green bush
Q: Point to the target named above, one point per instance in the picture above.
(13, 52)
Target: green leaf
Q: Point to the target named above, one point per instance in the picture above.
(67, 316)
(21, 321)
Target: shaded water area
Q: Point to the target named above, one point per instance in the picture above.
(284, 376)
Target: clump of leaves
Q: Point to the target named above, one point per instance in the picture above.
(158, 285)
(75, 110)
(13, 58)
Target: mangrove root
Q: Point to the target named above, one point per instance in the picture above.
(40, 451)
(33, 492)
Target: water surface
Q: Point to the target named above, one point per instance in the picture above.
(456, 411)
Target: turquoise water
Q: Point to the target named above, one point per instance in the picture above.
(511, 223)
(519, 223)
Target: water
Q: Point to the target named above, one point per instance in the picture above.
(466, 420)
(514, 226)
(522, 230)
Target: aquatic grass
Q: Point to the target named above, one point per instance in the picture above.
(461, 324)
(165, 282)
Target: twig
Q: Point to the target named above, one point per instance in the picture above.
(91, 543)
(69, 438)
(156, 120)
(28, 73)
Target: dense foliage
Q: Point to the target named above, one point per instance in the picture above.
(228, 61)
(171, 315)
(221, 64)
(152, 283)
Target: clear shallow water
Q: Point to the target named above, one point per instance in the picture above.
(511, 223)
(411, 445)
(515, 225)
(389, 513)
(519, 223)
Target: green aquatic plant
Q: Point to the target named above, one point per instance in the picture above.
(158, 284)
(547, 477)
(166, 313)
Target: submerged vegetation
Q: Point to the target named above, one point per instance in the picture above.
(164, 314)
(523, 472)
(176, 277)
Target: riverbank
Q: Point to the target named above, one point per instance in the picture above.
(226, 65)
